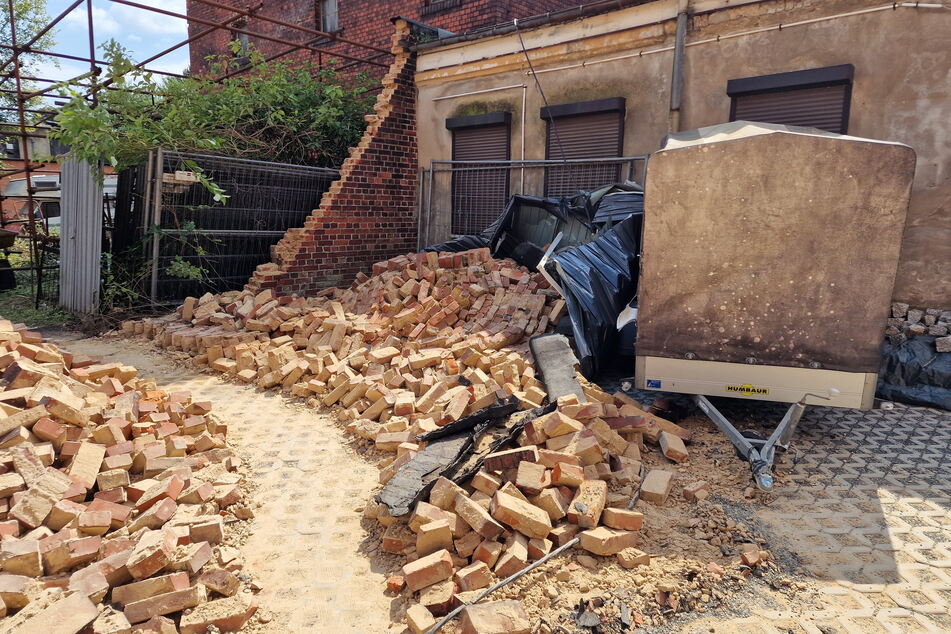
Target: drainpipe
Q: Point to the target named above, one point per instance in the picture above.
(677, 73)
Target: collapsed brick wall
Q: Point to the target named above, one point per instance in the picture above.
(369, 214)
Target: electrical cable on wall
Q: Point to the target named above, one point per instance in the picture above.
(551, 119)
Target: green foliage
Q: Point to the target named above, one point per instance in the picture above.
(29, 16)
(273, 112)
(125, 277)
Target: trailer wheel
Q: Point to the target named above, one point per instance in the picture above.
(626, 386)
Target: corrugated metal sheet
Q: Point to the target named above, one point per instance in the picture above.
(583, 137)
(80, 237)
(825, 108)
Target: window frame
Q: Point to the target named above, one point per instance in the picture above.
(322, 15)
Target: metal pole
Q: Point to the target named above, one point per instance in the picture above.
(244, 31)
(677, 73)
(156, 220)
(429, 207)
(46, 29)
(27, 169)
(93, 69)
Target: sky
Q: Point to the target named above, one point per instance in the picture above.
(143, 33)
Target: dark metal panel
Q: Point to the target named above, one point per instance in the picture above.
(583, 137)
(824, 108)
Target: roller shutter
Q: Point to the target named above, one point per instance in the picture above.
(825, 108)
(479, 192)
(583, 137)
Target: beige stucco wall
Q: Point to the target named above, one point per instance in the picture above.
(901, 91)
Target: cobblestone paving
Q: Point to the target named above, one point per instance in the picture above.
(306, 544)
(866, 507)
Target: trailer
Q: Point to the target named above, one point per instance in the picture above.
(769, 255)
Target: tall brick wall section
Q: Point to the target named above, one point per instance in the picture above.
(369, 214)
(365, 21)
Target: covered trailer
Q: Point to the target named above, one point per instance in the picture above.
(768, 263)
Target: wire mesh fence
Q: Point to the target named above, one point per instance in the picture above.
(209, 221)
(460, 198)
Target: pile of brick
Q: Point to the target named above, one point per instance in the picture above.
(114, 499)
(572, 475)
(907, 323)
(421, 343)
(424, 341)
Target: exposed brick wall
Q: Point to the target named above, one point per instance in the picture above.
(364, 21)
(369, 214)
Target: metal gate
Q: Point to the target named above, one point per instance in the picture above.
(198, 244)
(450, 202)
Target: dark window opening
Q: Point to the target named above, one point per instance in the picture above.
(329, 16)
(814, 98)
(11, 148)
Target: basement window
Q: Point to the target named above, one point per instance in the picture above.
(813, 98)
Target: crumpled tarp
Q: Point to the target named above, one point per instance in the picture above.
(914, 372)
(598, 281)
(595, 261)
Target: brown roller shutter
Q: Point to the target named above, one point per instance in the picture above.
(825, 107)
(583, 137)
(479, 192)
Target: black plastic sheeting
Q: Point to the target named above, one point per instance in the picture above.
(596, 266)
(595, 211)
(598, 280)
(914, 372)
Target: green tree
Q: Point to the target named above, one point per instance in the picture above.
(274, 112)
(29, 17)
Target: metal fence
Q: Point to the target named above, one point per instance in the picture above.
(198, 244)
(459, 198)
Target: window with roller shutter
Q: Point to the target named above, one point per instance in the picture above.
(584, 130)
(815, 98)
(479, 191)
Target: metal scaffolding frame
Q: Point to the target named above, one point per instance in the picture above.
(23, 128)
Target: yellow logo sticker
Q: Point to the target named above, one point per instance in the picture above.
(748, 390)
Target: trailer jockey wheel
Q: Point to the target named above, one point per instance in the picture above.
(627, 386)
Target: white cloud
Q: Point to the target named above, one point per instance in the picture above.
(127, 22)
(104, 23)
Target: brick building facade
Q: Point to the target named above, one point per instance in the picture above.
(364, 21)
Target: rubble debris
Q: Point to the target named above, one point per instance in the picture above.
(406, 359)
(114, 492)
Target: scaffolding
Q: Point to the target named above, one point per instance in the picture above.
(29, 121)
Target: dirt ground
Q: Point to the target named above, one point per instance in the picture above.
(859, 528)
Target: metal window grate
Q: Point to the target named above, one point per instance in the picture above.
(444, 211)
(227, 240)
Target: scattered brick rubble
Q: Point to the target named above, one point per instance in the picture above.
(116, 499)
(907, 323)
(425, 341)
